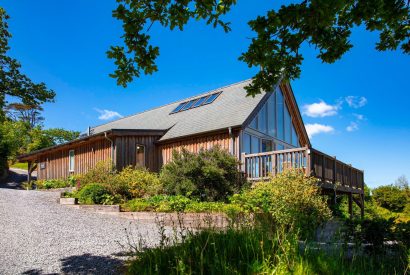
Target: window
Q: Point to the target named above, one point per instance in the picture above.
(262, 122)
(211, 98)
(71, 161)
(295, 138)
(279, 114)
(140, 155)
(178, 108)
(288, 125)
(267, 145)
(199, 102)
(188, 105)
(246, 143)
(251, 144)
(280, 146)
(271, 116)
(254, 123)
(196, 102)
(255, 144)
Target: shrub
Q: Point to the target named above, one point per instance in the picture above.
(162, 203)
(52, 184)
(102, 173)
(210, 175)
(135, 183)
(391, 197)
(290, 199)
(93, 193)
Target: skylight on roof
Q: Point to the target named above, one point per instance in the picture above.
(197, 102)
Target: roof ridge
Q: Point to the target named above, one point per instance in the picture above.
(188, 98)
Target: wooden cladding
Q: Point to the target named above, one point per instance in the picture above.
(55, 164)
(195, 144)
(126, 151)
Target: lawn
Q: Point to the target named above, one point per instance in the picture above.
(20, 165)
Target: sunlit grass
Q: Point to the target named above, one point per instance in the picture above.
(20, 165)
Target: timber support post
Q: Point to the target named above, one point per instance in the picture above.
(350, 205)
(30, 168)
(362, 205)
(30, 163)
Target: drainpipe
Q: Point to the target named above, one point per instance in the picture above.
(112, 147)
(231, 142)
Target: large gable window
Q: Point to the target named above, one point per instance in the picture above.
(71, 161)
(272, 123)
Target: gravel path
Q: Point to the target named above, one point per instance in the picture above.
(39, 236)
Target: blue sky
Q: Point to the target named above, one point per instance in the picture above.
(63, 44)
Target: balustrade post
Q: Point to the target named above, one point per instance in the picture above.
(308, 162)
(243, 163)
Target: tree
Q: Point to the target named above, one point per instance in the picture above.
(14, 83)
(402, 183)
(391, 197)
(325, 25)
(59, 135)
(26, 113)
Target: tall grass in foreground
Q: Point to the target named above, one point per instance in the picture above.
(257, 251)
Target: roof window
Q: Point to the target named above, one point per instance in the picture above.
(197, 102)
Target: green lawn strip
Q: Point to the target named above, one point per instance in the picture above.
(20, 165)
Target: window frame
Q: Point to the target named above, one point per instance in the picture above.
(71, 165)
(144, 154)
(210, 96)
(188, 105)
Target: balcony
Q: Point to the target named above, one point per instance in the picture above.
(332, 173)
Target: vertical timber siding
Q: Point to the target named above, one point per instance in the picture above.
(126, 151)
(194, 144)
(86, 156)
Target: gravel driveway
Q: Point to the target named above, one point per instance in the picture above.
(39, 236)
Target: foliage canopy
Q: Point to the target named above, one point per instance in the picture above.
(280, 34)
(12, 81)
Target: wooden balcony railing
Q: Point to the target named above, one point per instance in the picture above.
(329, 170)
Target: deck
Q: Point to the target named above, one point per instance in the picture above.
(332, 173)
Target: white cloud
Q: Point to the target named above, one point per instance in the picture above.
(359, 117)
(314, 129)
(321, 109)
(356, 101)
(107, 114)
(352, 127)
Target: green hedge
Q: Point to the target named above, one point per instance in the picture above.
(178, 204)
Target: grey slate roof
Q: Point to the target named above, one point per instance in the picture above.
(230, 109)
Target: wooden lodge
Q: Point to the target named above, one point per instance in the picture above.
(265, 132)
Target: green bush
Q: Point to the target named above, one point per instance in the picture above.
(135, 183)
(101, 173)
(162, 203)
(52, 184)
(93, 193)
(128, 183)
(290, 199)
(391, 197)
(210, 175)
